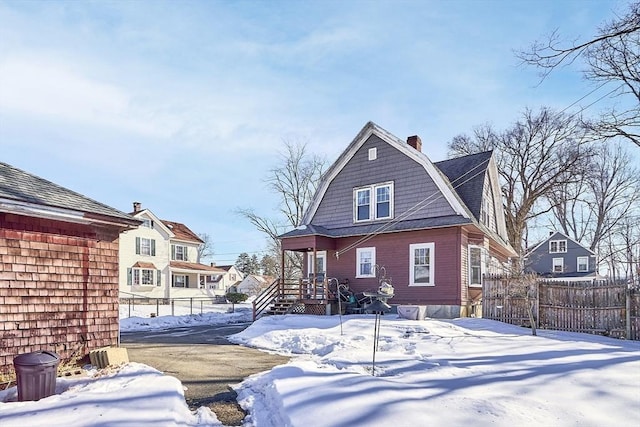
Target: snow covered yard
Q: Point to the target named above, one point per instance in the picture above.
(427, 373)
(450, 373)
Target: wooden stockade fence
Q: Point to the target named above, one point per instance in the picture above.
(600, 307)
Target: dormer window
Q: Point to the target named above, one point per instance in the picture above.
(557, 246)
(373, 202)
(147, 223)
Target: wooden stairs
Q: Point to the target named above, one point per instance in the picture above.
(281, 306)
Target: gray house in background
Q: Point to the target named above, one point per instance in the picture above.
(561, 257)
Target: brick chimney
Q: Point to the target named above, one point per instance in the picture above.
(137, 207)
(415, 142)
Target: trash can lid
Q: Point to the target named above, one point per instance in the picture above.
(37, 358)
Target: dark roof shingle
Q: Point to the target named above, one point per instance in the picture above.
(21, 186)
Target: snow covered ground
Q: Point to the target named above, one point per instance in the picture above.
(450, 373)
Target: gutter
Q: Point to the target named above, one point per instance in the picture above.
(62, 214)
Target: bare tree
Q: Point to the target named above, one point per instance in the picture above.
(205, 249)
(612, 56)
(536, 155)
(294, 180)
(591, 208)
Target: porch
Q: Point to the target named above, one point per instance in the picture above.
(319, 296)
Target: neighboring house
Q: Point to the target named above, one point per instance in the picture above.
(58, 269)
(253, 284)
(224, 282)
(159, 260)
(561, 257)
(436, 228)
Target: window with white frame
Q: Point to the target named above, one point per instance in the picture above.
(373, 153)
(179, 281)
(145, 246)
(422, 264)
(557, 246)
(147, 223)
(179, 253)
(583, 263)
(143, 277)
(476, 255)
(321, 263)
(365, 262)
(558, 265)
(373, 202)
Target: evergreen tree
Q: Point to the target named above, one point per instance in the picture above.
(243, 263)
(254, 264)
(268, 266)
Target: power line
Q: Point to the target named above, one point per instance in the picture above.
(421, 204)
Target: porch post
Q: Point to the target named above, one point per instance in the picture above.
(281, 284)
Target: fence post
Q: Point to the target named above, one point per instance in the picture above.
(627, 306)
(201, 311)
(173, 311)
(129, 307)
(191, 305)
(157, 307)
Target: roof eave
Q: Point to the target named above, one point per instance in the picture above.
(63, 214)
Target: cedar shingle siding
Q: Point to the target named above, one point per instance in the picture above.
(58, 288)
(58, 269)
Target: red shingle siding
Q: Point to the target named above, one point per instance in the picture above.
(58, 288)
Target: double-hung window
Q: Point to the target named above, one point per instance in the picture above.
(583, 263)
(558, 265)
(422, 264)
(365, 262)
(373, 202)
(557, 246)
(179, 281)
(475, 265)
(145, 246)
(363, 204)
(179, 253)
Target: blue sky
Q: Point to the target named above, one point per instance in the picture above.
(184, 105)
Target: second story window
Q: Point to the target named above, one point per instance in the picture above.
(373, 202)
(145, 246)
(557, 246)
(147, 223)
(179, 253)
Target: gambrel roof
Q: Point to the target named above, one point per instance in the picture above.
(464, 173)
(426, 195)
(363, 136)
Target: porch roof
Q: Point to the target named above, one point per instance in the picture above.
(378, 227)
(194, 267)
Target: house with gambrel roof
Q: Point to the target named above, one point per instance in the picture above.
(434, 228)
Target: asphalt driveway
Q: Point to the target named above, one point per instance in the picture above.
(201, 357)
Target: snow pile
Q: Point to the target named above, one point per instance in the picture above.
(133, 395)
(141, 319)
(465, 371)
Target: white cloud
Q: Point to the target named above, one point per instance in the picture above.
(53, 89)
